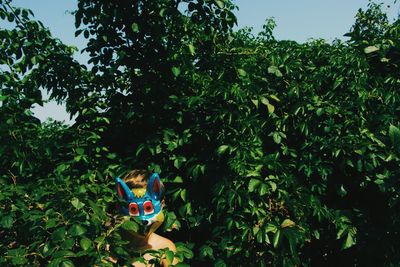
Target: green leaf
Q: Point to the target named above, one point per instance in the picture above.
(97, 210)
(271, 108)
(264, 100)
(6, 222)
(263, 189)
(370, 49)
(111, 155)
(274, 97)
(342, 191)
(255, 102)
(47, 249)
(18, 256)
(76, 203)
(394, 134)
(273, 185)
(222, 149)
(178, 162)
(220, 3)
(338, 82)
(140, 148)
(178, 180)
(67, 263)
(275, 70)
(130, 226)
(162, 12)
(220, 263)
(271, 228)
(253, 184)
(63, 254)
(51, 223)
(290, 236)
(191, 49)
(176, 71)
(28, 112)
(170, 256)
(187, 253)
(349, 241)
(76, 230)
(183, 194)
(33, 60)
(287, 223)
(79, 151)
(58, 234)
(206, 251)
(68, 243)
(277, 237)
(85, 243)
(316, 234)
(55, 262)
(242, 72)
(277, 138)
(135, 27)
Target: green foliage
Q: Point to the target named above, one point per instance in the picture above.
(274, 153)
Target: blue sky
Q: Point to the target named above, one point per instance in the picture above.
(303, 19)
(297, 20)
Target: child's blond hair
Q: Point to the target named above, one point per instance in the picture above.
(137, 178)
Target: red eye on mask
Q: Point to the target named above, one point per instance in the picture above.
(148, 207)
(133, 209)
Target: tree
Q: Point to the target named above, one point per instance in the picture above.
(273, 152)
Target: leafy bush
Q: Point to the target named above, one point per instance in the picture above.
(273, 152)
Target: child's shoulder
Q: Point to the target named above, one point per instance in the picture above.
(159, 242)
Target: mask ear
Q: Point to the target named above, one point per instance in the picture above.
(123, 190)
(155, 187)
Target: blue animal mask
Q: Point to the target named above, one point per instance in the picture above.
(144, 203)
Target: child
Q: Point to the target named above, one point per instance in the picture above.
(144, 193)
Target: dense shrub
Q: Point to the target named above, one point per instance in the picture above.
(273, 152)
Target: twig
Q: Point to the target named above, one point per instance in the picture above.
(15, 15)
(13, 177)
